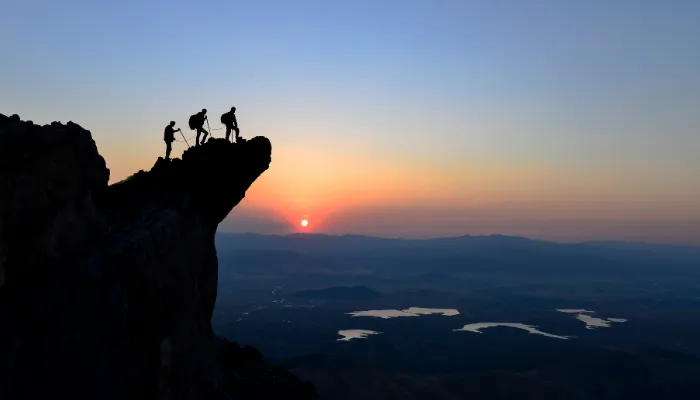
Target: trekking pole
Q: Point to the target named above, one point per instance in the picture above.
(183, 136)
(211, 135)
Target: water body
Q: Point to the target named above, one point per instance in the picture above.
(591, 321)
(477, 327)
(409, 312)
(574, 310)
(349, 334)
(386, 314)
(447, 312)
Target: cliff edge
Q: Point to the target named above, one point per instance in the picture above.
(107, 292)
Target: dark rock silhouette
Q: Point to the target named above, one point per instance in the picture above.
(106, 292)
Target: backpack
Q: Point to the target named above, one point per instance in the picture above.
(193, 121)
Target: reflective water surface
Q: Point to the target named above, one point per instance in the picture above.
(409, 312)
(349, 334)
(476, 328)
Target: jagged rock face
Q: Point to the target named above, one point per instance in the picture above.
(108, 291)
(47, 174)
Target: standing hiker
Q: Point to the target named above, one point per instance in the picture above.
(197, 122)
(169, 138)
(229, 120)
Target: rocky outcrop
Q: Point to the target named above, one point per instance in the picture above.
(108, 291)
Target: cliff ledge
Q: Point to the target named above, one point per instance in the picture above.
(107, 292)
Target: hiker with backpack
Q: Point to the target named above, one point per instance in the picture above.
(197, 122)
(229, 121)
(169, 138)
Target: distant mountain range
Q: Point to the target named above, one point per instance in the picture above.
(302, 242)
(311, 253)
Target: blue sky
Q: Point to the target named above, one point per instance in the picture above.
(551, 103)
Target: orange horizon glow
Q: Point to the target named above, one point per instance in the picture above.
(340, 191)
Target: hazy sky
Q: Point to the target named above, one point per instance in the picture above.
(555, 119)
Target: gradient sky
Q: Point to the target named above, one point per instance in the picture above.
(566, 120)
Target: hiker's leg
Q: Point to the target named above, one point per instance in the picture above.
(168, 149)
(237, 131)
(204, 138)
(199, 131)
(228, 132)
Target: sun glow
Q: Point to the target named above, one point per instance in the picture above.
(304, 222)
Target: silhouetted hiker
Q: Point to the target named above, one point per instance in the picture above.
(197, 122)
(229, 120)
(169, 137)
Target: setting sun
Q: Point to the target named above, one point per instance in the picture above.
(304, 222)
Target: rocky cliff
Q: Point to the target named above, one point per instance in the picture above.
(106, 292)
